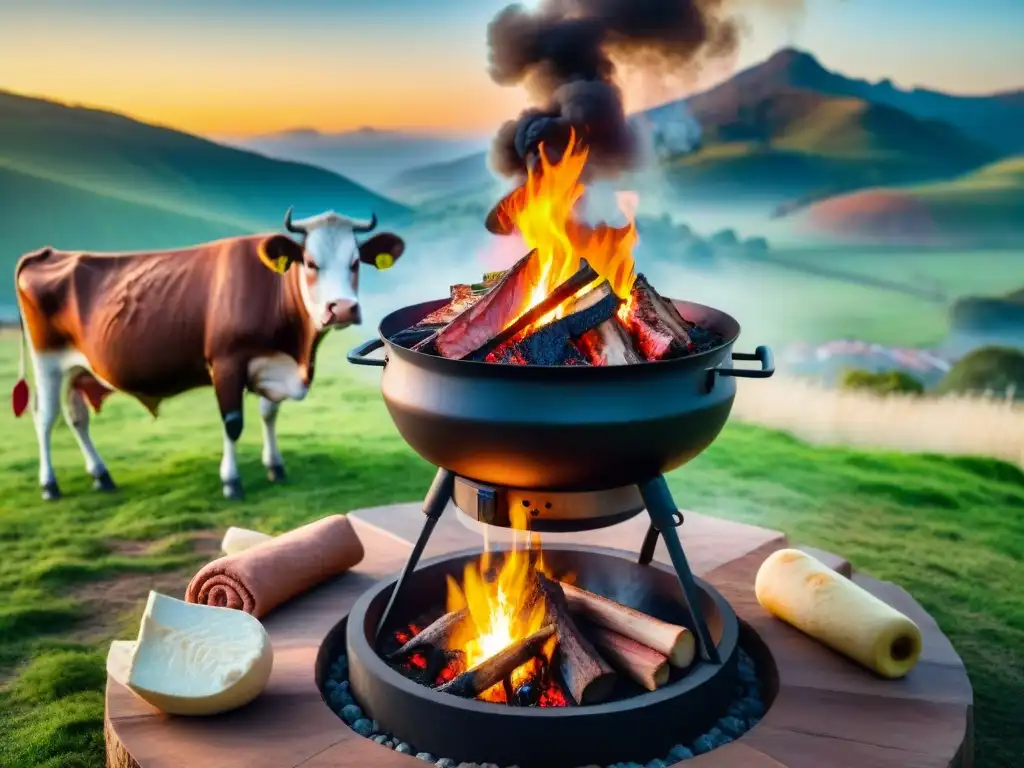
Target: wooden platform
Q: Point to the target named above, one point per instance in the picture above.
(827, 711)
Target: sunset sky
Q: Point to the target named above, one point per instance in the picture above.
(236, 67)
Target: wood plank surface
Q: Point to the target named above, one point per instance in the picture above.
(827, 710)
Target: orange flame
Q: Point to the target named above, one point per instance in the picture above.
(504, 607)
(543, 212)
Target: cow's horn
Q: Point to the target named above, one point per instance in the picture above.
(369, 227)
(288, 223)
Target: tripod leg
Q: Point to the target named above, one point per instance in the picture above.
(433, 505)
(665, 518)
(647, 548)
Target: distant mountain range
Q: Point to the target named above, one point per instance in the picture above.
(86, 179)
(995, 119)
(788, 132)
(370, 156)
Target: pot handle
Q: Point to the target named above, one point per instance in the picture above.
(761, 354)
(358, 356)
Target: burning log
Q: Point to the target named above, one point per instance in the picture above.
(553, 343)
(437, 635)
(584, 276)
(497, 668)
(588, 677)
(671, 640)
(609, 344)
(659, 330)
(643, 664)
(427, 654)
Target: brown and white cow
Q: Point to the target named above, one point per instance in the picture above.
(234, 313)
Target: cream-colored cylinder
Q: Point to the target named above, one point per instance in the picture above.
(240, 539)
(804, 592)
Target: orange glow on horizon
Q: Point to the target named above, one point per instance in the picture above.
(236, 91)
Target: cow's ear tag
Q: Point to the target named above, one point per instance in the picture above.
(384, 261)
(19, 397)
(279, 265)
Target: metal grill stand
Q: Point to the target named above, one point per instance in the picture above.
(665, 519)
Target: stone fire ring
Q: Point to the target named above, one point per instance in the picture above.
(826, 711)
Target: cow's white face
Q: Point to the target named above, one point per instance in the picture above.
(328, 262)
(330, 272)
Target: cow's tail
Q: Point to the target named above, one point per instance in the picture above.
(21, 393)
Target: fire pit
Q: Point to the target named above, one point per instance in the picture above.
(552, 397)
(516, 733)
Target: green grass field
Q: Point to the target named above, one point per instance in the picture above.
(949, 530)
(781, 305)
(957, 273)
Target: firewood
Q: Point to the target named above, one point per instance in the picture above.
(609, 344)
(552, 344)
(643, 664)
(493, 670)
(435, 635)
(671, 640)
(587, 675)
(583, 277)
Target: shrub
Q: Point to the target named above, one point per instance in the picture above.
(990, 369)
(882, 383)
(725, 238)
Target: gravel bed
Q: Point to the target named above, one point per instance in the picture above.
(743, 714)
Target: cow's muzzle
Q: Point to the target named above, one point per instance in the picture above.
(341, 313)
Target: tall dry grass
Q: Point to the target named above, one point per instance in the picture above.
(966, 425)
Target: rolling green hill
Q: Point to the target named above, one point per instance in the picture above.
(787, 132)
(466, 177)
(996, 315)
(777, 148)
(39, 210)
(793, 143)
(82, 178)
(981, 208)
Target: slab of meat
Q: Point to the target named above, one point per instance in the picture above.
(489, 315)
(658, 330)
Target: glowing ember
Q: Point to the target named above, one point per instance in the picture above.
(404, 636)
(543, 212)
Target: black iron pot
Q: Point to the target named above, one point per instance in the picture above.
(560, 428)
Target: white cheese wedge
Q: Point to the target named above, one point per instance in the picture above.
(804, 592)
(119, 660)
(193, 659)
(240, 539)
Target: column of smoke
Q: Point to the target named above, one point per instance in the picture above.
(565, 54)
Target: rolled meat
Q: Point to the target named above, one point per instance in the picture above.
(259, 579)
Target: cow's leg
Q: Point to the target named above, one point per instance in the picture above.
(76, 414)
(49, 374)
(271, 456)
(229, 377)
